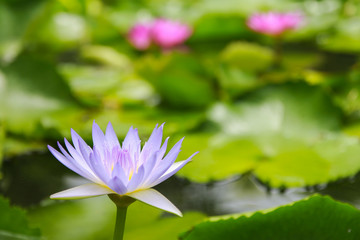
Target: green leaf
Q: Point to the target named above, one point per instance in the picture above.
(16, 146)
(62, 31)
(296, 163)
(219, 26)
(14, 224)
(314, 218)
(16, 18)
(277, 161)
(248, 57)
(95, 84)
(347, 31)
(180, 79)
(285, 135)
(236, 81)
(34, 89)
(294, 110)
(94, 219)
(220, 157)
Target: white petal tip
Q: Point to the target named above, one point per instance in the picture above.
(82, 191)
(154, 198)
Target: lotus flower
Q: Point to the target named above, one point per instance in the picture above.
(140, 36)
(162, 32)
(273, 23)
(168, 34)
(123, 170)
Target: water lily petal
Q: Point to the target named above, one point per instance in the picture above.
(132, 142)
(76, 155)
(82, 191)
(153, 144)
(172, 170)
(149, 165)
(98, 167)
(154, 198)
(117, 185)
(98, 138)
(163, 149)
(165, 164)
(111, 137)
(77, 140)
(136, 179)
(69, 162)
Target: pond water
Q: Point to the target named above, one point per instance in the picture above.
(31, 178)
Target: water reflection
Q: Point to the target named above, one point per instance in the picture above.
(31, 178)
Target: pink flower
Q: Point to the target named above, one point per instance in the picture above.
(168, 34)
(140, 36)
(274, 23)
(164, 33)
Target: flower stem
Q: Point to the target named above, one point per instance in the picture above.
(120, 222)
(122, 203)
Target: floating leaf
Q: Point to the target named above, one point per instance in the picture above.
(248, 57)
(219, 157)
(314, 218)
(219, 26)
(296, 110)
(180, 79)
(33, 91)
(236, 81)
(286, 136)
(14, 224)
(95, 85)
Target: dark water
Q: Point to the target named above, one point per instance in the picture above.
(31, 178)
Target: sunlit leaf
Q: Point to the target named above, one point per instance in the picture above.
(314, 218)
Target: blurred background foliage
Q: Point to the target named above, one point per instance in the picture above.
(293, 124)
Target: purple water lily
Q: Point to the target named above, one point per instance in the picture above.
(125, 170)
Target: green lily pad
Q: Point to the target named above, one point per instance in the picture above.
(294, 109)
(32, 92)
(286, 136)
(180, 80)
(247, 56)
(14, 224)
(14, 146)
(62, 30)
(275, 160)
(17, 17)
(347, 31)
(94, 219)
(297, 164)
(219, 157)
(106, 85)
(219, 26)
(314, 218)
(236, 81)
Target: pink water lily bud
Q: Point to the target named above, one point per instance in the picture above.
(140, 36)
(168, 34)
(121, 170)
(274, 23)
